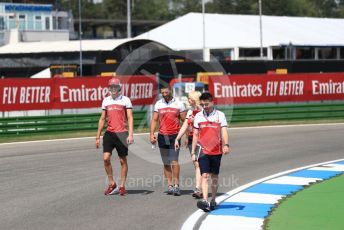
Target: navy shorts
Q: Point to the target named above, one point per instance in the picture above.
(209, 163)
(166, 146)
(116, 140)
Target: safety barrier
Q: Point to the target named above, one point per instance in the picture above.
(277, 112)
(240, 113)
(59, 123)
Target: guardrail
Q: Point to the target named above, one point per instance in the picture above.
(59, 123)
(240, 113)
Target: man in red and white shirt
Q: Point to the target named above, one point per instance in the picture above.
(168, 111)
(118, 110)
(211, 135)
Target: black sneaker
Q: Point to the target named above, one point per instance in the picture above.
(176, 190)
(197, 193)
(204, 205)
(213, 204)
(169, 190)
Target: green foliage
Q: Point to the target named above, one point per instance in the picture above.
(170, 9)
(88, 9)
(340, 11)
(181, 7)
(312, 8)
(151, 10)
(233, 7)
(115, 9)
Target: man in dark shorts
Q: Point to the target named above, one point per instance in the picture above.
(211, 134)
(117, 109)
(168, 111)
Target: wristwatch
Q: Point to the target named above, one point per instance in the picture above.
(226, 145)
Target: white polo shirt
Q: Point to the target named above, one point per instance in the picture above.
(116, 113)
(169, 115)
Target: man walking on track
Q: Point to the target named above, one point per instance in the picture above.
(117, 109)
(211, 135)
(168, 111)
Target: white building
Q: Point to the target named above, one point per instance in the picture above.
(32, 22)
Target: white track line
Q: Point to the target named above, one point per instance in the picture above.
(192, 220)
(292, 180)
(332, 167)
(255, 198)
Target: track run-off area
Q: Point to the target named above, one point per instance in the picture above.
(59, 184)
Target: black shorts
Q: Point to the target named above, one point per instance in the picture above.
(166, 146)
(209, 163)
(116, 140)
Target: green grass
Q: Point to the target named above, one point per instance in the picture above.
(317, 207)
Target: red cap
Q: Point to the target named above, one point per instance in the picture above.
(114, 81)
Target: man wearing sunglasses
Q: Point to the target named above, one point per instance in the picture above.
(211, 134)
(118, 111)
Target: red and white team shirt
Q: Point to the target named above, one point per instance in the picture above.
(209, 126)
(116, 110)
(190, 116)
(169, 115)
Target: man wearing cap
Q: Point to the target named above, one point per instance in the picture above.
(117, 109)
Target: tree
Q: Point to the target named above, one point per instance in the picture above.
(340, 9)
(278, 7)
(89, 9)
(325, 8)
(115, 9)
(168, 10)
(246, 7)
(181, 7)
(231, 7)
(151, 10)
(311, 8)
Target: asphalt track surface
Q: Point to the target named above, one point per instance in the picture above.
(60, 184)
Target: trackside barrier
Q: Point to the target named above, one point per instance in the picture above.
(252, 113)
(59, 123)
(240, 113)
